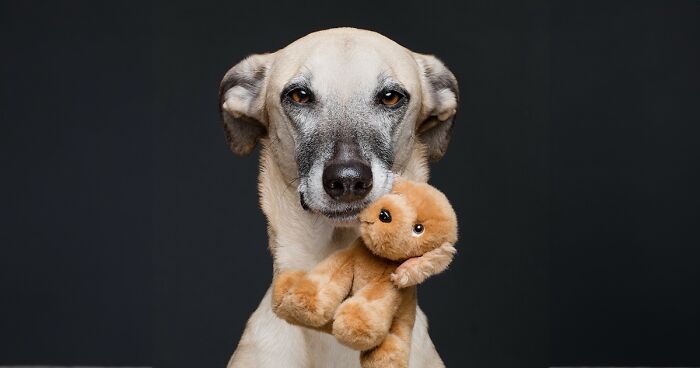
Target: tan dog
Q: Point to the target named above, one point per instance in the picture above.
(378, 317)
(338, 113)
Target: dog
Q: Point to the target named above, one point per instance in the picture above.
(338, 114)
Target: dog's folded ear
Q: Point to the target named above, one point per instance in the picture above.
(242, 103)
(440, 97)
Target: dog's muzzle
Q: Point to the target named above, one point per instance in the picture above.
(347, 177)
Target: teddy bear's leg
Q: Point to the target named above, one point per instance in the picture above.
(363, 320)
(395, 350)
(310, 298)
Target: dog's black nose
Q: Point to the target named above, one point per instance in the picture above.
(347, 177)
(347, 181)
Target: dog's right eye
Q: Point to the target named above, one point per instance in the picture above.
(391, 98)
(300, 95)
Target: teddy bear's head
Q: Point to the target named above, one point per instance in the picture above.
(411, 220)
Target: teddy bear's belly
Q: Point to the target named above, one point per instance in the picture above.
(371, 269)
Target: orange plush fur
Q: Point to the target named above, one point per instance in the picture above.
(352, 293)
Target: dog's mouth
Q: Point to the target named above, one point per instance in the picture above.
(343, 215)
(349, 214)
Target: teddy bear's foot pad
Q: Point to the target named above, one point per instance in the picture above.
(358, 327)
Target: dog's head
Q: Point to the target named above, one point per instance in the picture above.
(341, 110)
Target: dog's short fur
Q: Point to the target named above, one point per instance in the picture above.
(345, 71)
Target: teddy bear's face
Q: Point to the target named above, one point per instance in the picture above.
(413, 219)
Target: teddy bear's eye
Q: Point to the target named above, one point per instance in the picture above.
(418, 229)
(384, 215)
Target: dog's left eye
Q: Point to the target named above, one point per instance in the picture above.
(300, 95)
(390, 98)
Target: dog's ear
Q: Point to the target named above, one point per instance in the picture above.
(440, 97)
(242, 103)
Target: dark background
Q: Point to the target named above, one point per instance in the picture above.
(132, 236)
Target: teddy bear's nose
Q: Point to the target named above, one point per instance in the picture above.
(347, 181)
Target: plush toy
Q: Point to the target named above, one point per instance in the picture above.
(353, 293)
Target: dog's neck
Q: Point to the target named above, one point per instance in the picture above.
(299, 239)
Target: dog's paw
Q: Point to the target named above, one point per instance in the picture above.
(357, 326)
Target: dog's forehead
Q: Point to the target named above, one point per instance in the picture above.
(345, 61)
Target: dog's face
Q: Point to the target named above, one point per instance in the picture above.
(341, 110)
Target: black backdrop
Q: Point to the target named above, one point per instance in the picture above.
(132, 236)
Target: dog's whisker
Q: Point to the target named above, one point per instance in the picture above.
(316, 218)
(291, 182)
(290, 185)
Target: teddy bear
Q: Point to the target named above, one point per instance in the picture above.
(359, 294)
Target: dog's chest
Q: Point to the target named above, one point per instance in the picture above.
(325, 351)
(302, 243)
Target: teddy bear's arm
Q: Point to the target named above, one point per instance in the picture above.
(415, 270)
(311, 298)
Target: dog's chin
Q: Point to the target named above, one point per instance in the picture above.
(342, 218)
(336, 213)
